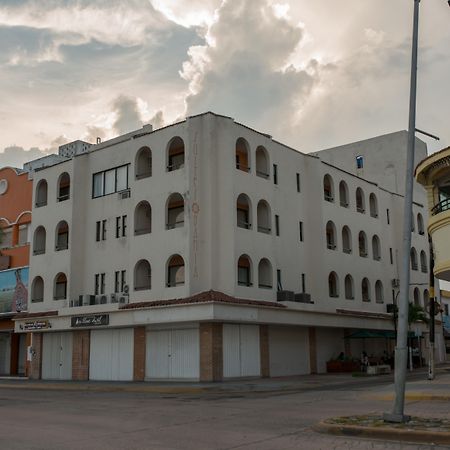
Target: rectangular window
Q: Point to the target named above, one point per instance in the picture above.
(121, 226)
(387, 217)
(300, 226)
(391, 256)
(97, 284)
(98, 227)
(298, 182)
(359, 162)
(6, 240)
(110, 181)
(23, 234)
(104, 230)
(277, 225)
(124, 226)
(118, 227)
(117, 281)
(120, 280)
(303, 283)
(123, 280)
(275, 174)
(279, 285)
(102, 283)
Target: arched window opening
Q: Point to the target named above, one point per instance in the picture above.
(60, 290)
(41, 193)
(426, 298)
(349, 289)
(265, 275)
(143, 164)
(175, 271)
(39, 240)
(365, 290)
(143, 218)
(328, 188)
(331, 235)
(62, 236)
(175, 154)
(343, 194)
(264, 217)
(416, 295)
(379, 296)
(413, 225)
(243, 212)
(244, 271)
(142, 276)
(242, 155)
(333, 288)
(420, 226)
(414, 265)
(175, 211)
(362, 242)
(373, 205)
(37, 290)
(346, 240)
(376, 248)
(262, 163)
(360, 203)
(423, 262)
(64, 187)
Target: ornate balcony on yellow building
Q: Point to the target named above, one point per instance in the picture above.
(434, 174)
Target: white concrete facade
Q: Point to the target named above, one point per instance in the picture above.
(281, 228)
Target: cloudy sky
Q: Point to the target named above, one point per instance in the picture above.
(314, 74)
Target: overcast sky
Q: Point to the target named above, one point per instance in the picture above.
(313, 74)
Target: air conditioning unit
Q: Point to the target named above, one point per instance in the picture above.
(285, 296)
(124, 194)
(124, 299)
(114, 298)
(97, 300)
(395, 282)
(302, 298)
(75, 303)
(103, 299)
(86, 300)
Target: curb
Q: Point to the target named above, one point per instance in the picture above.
(416, 436)
(414, 396)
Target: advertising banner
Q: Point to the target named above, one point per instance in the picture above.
(13, 290)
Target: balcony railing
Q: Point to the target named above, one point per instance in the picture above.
(442, 206)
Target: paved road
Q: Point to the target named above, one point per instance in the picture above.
(247, 419)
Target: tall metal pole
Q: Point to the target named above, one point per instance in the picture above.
(401, 350)
(432, 312)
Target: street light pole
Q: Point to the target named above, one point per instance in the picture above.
(401, 350)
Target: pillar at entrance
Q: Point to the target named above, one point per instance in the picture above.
(211, 352)
(80, 355)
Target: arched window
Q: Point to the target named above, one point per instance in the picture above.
(416, 295)
(175, 271)
(41, 193)
(143, 218)
(264, 217)
(60, 289)
(413, 254)
(360, 202)
(333, 285)
(331, 235)
(362, 243)
(349, 289)
(62, 236)
(243, 208)
(426, 298)
(143, 163)
(244, 275)
(175, 154)
(420, 227)
(376, 248)
(373, 205)
(413, 225)
(346, 240)
(379, 297)
(242, 155)
(39, 239)
(265, 275)
(175, 211)
(37, 290)
(328, 188)
(365, 290)
(343, 194)
(262, 162)
(64, 187)
(423, 262)
(142, 276)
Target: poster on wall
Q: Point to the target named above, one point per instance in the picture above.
(13, 290)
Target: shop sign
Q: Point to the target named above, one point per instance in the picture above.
(36, 325)
(90, 321)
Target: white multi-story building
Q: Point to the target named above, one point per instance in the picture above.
(206, 250)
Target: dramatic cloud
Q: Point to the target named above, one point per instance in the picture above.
(128, 116)
(17, 156)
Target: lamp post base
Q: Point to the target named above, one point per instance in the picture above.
(396, 418)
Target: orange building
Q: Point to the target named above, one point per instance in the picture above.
(15, 220)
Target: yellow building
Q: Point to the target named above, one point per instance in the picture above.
(434, 174)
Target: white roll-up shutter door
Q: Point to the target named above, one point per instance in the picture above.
(57, 356)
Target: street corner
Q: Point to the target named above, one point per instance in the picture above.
(372, 426)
